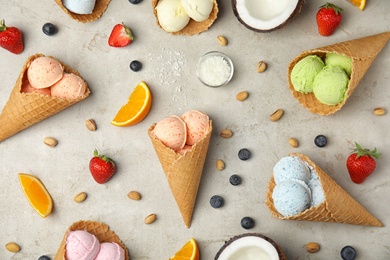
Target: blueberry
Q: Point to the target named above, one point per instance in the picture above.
(244, 154)
(216, 201)
(235, 180)
(135, 65)
(320, 140)
(348, 253)
(44, 257)
(247, 222)
(49, 29)
(134, 2)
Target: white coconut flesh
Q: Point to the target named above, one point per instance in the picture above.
(249, 248)
(265, 14)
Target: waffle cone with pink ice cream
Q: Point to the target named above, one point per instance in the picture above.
(45, 86)
(91, 240)
(181, 144)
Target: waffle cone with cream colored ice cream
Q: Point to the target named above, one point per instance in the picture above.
(338, 205)
(100, 230)
(25, 109)
(363, 52)
(193, 27)
(98, 10)
(183, 172)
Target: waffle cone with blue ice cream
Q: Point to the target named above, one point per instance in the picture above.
(336, 205)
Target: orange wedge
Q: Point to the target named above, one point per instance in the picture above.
(361, 4)
(36, 194)
(189, 251)
(136, 108)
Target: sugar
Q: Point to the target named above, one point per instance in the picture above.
(214, 71)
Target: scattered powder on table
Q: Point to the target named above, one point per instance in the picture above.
(214, 71)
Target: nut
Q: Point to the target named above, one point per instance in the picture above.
(90, 124)
(80, 197)
(242, 95)
(50, 141)
(134, 195)
(220, 165)
(222, 40)
(150, 219)
(312, 247)
(293, 142)
(261, 66)
(226, 133)
(12, 247)
(379, 111)
(275, 116)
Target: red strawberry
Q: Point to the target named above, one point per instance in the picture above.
(11, 38)
(361, 164)
(120, 36)
(101, 167)
(328, 18)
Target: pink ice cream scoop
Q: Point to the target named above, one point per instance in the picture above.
(81, 245)
(44, 72)
(172, 132)
(27, 88)
(70, 86)
(110, 251)
(197, 125)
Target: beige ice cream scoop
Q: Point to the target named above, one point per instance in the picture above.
(70, 86)
(197, 125)
(172, 132)
(44, 72)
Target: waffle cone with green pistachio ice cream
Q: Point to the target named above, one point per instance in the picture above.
(362, 51)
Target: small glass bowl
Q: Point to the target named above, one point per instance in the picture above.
(221, 81)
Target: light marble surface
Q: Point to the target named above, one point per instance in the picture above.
(169, 64)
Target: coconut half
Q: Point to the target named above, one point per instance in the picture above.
(250, 246)
(266, 15)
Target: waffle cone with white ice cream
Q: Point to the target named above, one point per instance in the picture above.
(100, 230)
(191, 26)
(75, 7)
(362, 51)
(337, 205)
(26, 109)
(182, 158)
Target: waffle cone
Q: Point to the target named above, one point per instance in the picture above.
(25, 109)
(100, 230)
(98, 10)
(183, 172)
(363, 52)
(338, 205)
(193, 27)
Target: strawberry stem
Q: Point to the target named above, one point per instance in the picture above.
(336, 9)
(2, 26)
(103, 157)
(363, 151)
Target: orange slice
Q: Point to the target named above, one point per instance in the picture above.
(361, 4)
(189, 251)
(136, 108)
(36, 194)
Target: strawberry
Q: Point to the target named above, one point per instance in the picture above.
(101, 167)
(361, 164)
(120, 36)
(328, 18)
(11, 38)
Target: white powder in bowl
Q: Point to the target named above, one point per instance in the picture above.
(214, 71)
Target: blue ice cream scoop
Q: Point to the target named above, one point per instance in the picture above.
(291, 197)
(291, 167)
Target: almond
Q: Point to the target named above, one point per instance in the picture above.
(293, 142)
(50, 141)
(379, 111)
(241, 96)
(275, 116)
(261, 66)
(80, 197)
(134, 195)
(220, 165)
(226, 133)
(312, 247)
(150, 219)
(222, 40)
(12, 247)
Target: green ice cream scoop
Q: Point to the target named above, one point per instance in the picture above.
(304, 72)
(330, 85)
(339, 60)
